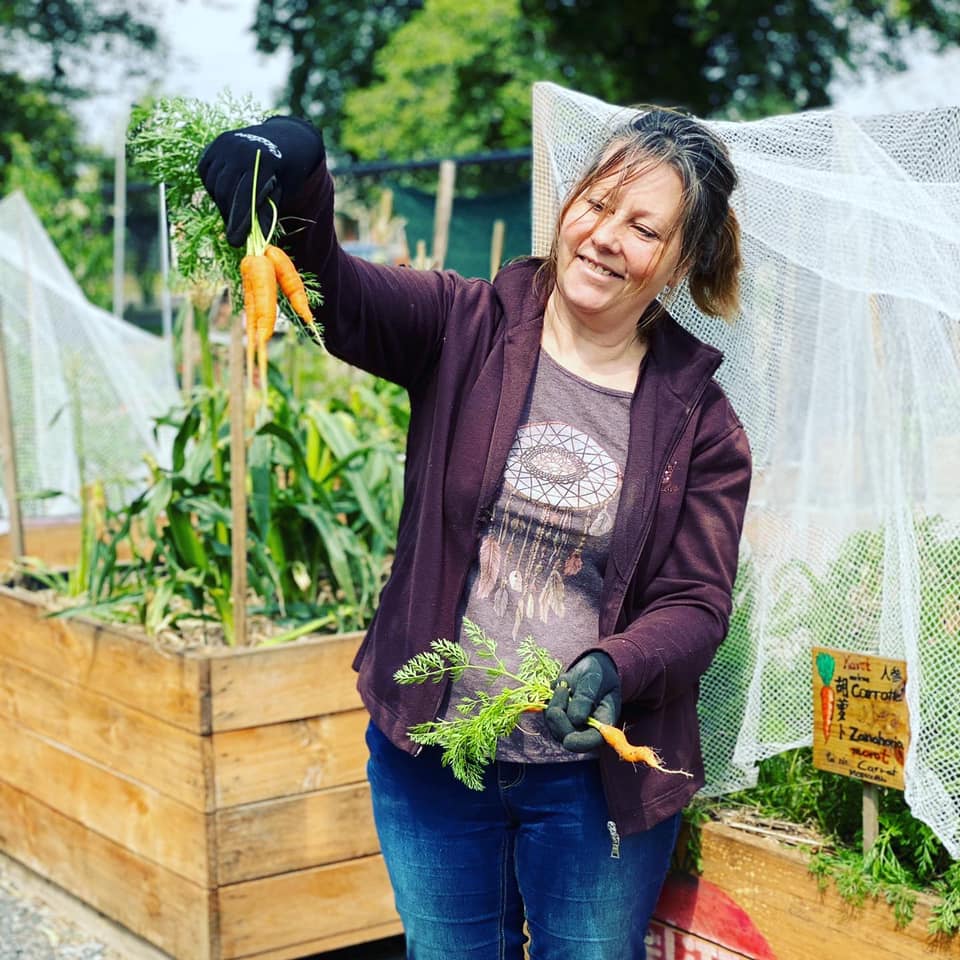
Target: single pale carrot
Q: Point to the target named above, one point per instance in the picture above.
(617, 739)
(288, 277)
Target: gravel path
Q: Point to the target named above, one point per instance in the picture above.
(41, 922)
(30, 929)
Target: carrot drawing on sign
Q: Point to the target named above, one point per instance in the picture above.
(828, 697)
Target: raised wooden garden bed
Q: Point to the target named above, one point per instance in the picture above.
(197, 798)
(54, 540)
(771, 882)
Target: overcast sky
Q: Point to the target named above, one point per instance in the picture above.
(212, 49)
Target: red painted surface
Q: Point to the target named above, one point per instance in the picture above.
(699, 907)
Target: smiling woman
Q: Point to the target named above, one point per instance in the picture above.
(575, 477)
(651, 210)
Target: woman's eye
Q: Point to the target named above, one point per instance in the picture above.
(595, 205)
(645, 232)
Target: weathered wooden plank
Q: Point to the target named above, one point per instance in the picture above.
(133, 743)
(122, 664)
(297, 951)
(139, 818)
(293, 833)
(281, 759)
(119, 942)
(303, 907)
(271, 685)
(162, 907)
(775, 887)
(55, 541)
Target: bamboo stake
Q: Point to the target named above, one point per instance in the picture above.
(238, 486)
(187, 334)
(119, 214)
(496, 246)
(420, 261)
(443, 210)
(7, 438)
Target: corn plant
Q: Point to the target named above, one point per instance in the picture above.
(324, 488)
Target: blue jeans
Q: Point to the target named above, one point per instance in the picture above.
(470, 868)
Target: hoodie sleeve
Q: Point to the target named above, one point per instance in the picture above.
(385, 319)
(685, 608)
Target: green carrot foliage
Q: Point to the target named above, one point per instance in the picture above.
(469, 742)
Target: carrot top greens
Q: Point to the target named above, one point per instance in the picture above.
(166, 139)
(469, 741)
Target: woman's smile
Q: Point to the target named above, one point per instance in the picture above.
(594, 266)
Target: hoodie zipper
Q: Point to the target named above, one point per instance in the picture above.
(613, 825)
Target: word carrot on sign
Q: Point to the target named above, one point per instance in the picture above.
(860, 722)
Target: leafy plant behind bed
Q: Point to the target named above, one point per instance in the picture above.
(325, 475)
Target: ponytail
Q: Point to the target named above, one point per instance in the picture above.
(714, 280)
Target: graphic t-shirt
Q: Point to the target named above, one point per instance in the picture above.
(542, 556)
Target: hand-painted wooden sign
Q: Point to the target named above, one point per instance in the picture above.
(860, 723)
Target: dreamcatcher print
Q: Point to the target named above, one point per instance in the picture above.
(559, 490)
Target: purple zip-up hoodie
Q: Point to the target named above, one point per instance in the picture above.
(466, 351)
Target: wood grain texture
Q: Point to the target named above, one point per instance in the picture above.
(156, 904)
(151, 751)
(283, 759)
(308, 906)
(118, 663)
(146, 822)
(294, 833)
(774, 885)
(276, 684)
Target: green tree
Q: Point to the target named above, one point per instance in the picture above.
(741, 58)
(46, 51)
(62, 36)
(454, 79)
(331, 46)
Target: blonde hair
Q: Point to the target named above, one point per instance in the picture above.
(709, 232)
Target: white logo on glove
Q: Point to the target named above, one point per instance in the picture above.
(269, 144)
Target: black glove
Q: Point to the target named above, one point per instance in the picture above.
(591, 687)
(290, 150)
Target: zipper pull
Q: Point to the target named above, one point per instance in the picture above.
(614, 840)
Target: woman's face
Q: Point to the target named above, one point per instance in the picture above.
(614, 256)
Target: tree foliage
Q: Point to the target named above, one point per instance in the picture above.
(331, 46)
(60, 35)
(47, 50)
(454, 79)
(420, 77)
(741, 58)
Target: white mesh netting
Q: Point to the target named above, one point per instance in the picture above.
(84, 386)
(844, 365)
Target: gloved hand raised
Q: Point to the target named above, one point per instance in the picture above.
(591, 687)
(290, 150)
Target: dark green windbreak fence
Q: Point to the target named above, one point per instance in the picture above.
(471, 226)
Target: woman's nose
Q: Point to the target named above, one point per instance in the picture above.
(605, 234)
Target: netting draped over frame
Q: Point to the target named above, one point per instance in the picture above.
(844, 365)
(84, 386)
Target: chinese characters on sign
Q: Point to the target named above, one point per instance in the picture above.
(860, 723)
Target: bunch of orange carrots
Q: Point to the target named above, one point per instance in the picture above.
(263, 269)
